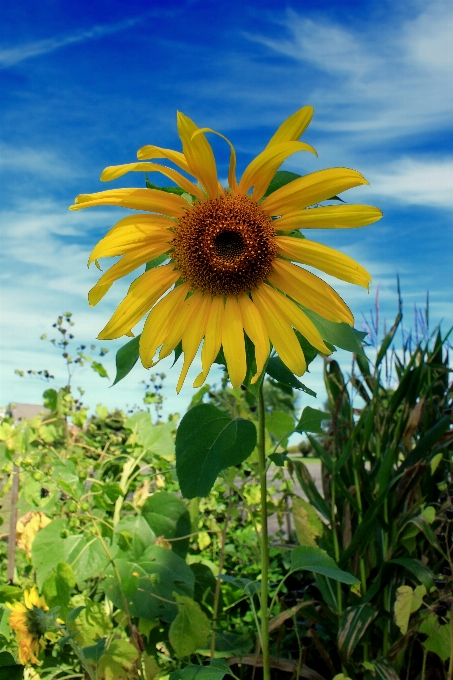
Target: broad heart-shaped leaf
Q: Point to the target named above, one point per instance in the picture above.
(85, 555)
(438, 637)
(126, 358)
(159, 573)
(310, 420)
(216, 670)
(58, 586)
(10, 669)
(190, 629)
(354, 622)
(117, 662)
(338, 334)
(281, 373)
(280, 425)
(317, 560)
(168, 516)
(155, 437)
(208, 441)
(134, 535)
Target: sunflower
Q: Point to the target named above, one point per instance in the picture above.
(227, 255)
(30, 622)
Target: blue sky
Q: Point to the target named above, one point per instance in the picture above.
(84, 85)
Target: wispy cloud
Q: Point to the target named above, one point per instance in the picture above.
(388, 87)
(14, 55)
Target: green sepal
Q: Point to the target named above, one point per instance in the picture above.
(126, 358)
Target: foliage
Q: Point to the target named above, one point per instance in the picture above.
(148, 581)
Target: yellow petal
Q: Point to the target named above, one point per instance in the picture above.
(131, 238)
(293, 127)
(152, 200)
(256, 330)
(330, 217)
(198, 154)
(233, 342)
(314, 188)
(280, 332)
(263, 168)
(309, 290)
(142, 295)
(114, 171)
(193, 335)
(160, 318)
(232, 182)
(324, 258)
(123, 267)
(213, 338)
(179, 324)
(295, 316)
(150, 152)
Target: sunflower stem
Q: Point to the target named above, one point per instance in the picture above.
(264, 535)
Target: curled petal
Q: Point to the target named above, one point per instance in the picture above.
(150, 152)
(199, 155)
(232, 182)
(114, 171)
(259, 173)
(158, 322)
(152, 200)
(179, 324)
(256, 330)
(213, 338)
(192, 336)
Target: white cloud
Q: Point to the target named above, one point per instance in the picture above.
(14, 55)
(379, 79)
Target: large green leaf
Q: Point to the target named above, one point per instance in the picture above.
(279, 424)
(11, 670)
(126, 358)
(134, 535)
(420, 570)
(314, 559)
(85, 554)
(208, 441)
(168, 516)
(155, 437)
(438, 637)
(58, 586)
(354, 622)
(157, 575)
(190, 629)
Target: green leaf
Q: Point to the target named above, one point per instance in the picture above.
(280, 179)
(384, 670)
(50, 399)
(354, 622)
(306, 481)
(215, 671)
(118, 661)
(99, 369)
(126, 358)
(94, 652)
(307, 522)
(190, 629)
(339, 334)
(279, 459)
(85, 554)
(90, 623)
(58, 586)
(280, 425)
(438, 640)
(138, 533)
(10, 594)
(310, 420)
(168, 516)
(403, 607)
(208, 441)
(280, 372)
(10, 669)
(420, 570)
(314, 559)
(160, 573)
(387, 341)
(169, 190)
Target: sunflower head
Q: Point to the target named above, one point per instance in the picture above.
(225, 265)
(31, 621)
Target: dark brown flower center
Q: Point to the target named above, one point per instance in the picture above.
(224, 245)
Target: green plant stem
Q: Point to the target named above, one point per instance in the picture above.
(264, 536)
(450, 663)
(217, 586)
(85, 665)
(334, 533)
